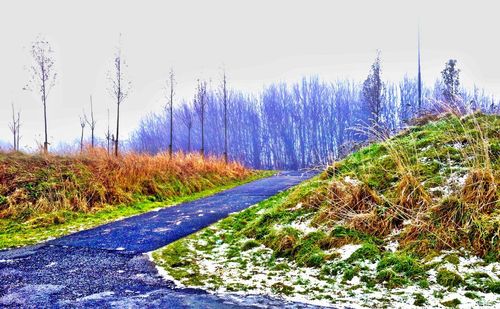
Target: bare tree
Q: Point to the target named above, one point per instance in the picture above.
(83, 121)
(113, 140)
(373, 91)
(14, 127)
(18, 144)
(200, 102)
(186, 116)
(108, 134)
(451, 81)
(224, 104)
(419, 76)
(92, 122)
(119, 89)
(170, 105)
(18, 130)
(43, 77)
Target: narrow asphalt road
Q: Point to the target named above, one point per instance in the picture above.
(106, 266)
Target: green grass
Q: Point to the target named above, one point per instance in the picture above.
(235, 225)
(15, 233)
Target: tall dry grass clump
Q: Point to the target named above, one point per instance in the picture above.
(33, 184)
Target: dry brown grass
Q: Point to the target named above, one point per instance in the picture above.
(480, 190)
(354, 205)
(31, 184)
(467, 217)
(411, 193)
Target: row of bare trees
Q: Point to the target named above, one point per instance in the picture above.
(43, 78)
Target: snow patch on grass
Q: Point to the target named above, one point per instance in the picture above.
(227, 270)
(301, 224)
(347, 250)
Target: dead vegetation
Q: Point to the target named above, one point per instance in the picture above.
(408, 188)
(34, 184)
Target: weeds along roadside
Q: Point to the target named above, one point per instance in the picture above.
(34, 185)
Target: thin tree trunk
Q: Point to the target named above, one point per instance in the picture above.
(81, 142)
(171, 113)
(225, 133)
(92, 123)
(171, 132)
(419, 75)
(46, 143)
(117, 128)
(108, 135)
(225, 119)
(14, 127)
(189, 139)
(18, 129)
(202, 151)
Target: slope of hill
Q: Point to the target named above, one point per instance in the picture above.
(410, 221)
(49, 196)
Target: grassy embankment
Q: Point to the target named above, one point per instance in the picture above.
(413, 220)
(49, 196)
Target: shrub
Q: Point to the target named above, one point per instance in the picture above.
(250, 244)
(420, 300)
(448, 278)
(451, 303)
(367, 252)
(401, 263)
(493, 286)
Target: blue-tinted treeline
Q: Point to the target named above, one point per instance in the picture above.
(291, 126)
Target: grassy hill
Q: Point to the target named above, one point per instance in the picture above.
(413, 220)
(48, 196)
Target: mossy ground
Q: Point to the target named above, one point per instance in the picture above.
(397, 223)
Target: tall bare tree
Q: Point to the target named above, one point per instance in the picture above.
(14, 127)
(43, 77)
(200, 102)
(18, 130)
(83, 121)
(224, 103)
(119, 88)
(92, 122)
(419, 77)
(170, 105)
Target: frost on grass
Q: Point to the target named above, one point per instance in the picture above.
(301, 224)
(355, 275)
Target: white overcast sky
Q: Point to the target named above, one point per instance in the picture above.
(259, 42)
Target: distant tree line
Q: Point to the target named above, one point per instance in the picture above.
(307, 123)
